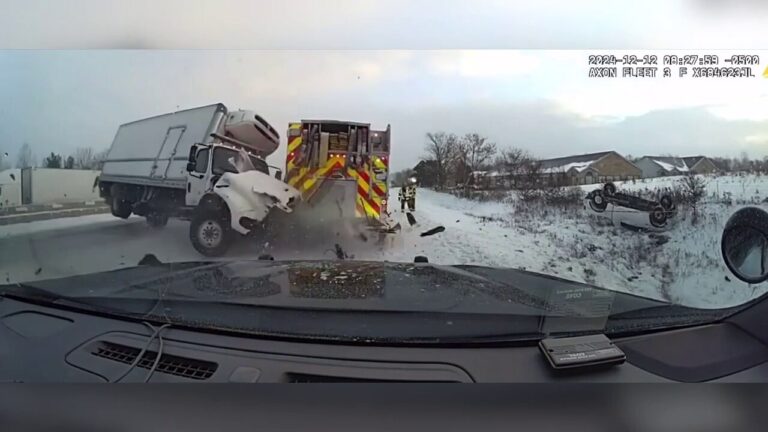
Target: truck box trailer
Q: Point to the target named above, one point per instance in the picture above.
(154, 151)
(203, 164)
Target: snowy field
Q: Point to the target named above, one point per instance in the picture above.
(683, 265)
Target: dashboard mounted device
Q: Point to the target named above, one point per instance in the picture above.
(582, 352)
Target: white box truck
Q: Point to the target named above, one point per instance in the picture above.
(203, 164)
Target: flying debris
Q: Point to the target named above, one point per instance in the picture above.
(433, 231)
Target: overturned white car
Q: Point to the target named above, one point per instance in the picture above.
(631, 211)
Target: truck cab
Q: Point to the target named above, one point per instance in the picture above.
(231, 191)
(208, 162)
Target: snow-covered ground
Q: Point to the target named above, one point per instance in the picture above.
(564, 242)
(568, 243)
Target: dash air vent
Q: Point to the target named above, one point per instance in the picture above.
(169, 364)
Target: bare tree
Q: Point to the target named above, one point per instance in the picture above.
(512, 160)
(52, 161)
(529, 183)
(99, 158)
(693, 190)
(84, 158)
(474, 151)
(441, 150)
(25, 158)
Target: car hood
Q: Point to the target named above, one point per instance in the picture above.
(351, 285)
(368, 302)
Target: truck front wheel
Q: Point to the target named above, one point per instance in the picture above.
(210, 232)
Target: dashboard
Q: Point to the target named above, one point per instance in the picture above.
(51, 345)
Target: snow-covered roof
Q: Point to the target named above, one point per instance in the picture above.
(578, 166)
(577, 162)
(490, 173)
(672, 167)
(670, 164)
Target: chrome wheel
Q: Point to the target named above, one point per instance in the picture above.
(210, 233)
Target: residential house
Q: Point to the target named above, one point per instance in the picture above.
(588, 169)
(659, 166)
(426, 173)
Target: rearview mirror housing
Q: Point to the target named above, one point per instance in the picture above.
(744, 245)
(191, 166)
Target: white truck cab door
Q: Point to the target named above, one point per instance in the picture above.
(198, 180)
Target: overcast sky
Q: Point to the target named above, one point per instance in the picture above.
(542, 100)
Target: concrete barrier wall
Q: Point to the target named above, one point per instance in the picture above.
(53, 185)
(10, 188)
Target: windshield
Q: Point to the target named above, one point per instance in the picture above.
(235, 161)
(614, 170)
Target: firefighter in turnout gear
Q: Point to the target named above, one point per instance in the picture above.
(408, 195)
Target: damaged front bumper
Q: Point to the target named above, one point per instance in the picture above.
(251, 195)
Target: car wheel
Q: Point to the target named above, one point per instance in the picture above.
(210, 232)
(609, 189)
(597, 202)
(658, 217)
(666, 202)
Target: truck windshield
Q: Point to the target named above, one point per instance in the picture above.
(235, 161)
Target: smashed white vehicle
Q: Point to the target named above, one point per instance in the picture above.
(630, 211)
(203, 164)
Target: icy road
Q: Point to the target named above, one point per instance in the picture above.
(683, 268)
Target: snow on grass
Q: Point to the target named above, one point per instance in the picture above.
(682, 265)
(741, 188)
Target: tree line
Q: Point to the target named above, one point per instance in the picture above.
(81, 158)
(450, 160)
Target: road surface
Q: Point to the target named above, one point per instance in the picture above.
(77, 245)
(63, 247)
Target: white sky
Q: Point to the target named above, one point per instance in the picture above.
(541, 100)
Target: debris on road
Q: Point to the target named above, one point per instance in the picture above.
(340, 254)
(433, 231)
